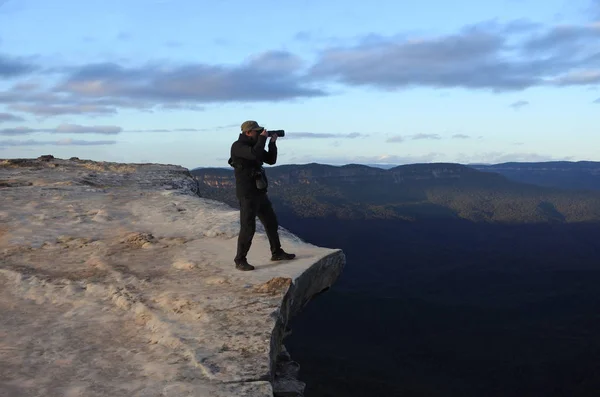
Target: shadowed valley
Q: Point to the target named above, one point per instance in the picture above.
(458, 282)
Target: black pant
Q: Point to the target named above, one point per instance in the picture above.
(250, 208)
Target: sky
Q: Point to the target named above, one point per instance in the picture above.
(379, 82)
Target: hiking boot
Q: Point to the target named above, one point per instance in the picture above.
(281, 255)
(243, 265)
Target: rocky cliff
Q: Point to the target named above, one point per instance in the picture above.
(118, 280)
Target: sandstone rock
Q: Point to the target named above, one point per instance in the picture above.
(276, 285)
(88, 310)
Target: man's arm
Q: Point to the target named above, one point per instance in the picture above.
(271, 156)
(255, 152)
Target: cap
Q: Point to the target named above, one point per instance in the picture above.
(250, 125)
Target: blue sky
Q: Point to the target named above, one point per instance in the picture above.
(170, 81)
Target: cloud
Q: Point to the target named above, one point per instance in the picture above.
(518, 104)
(376, 159)
(35, 99)
(492, 56)
(460, 136)
(325, 135)
(580, 77)
(26, 86)
(80, 129)
(270, 76)
(425, 136)
(353, 135)
(103, 88)
(485, 56)
(395, 138)
(303, 35)
(56, 110)
(124, 36)
(154, 130)
(12, 67)
(563, 38)
(167, 130)
(414, 137)
(503, 157)
(222, 127)
(597, 100)
(65, 129)
(17, 131)
(486, 157)
(7, 117)
(62, 142)
(173, 43)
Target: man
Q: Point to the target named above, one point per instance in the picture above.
(247, 157)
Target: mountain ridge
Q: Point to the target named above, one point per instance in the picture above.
(410, 192)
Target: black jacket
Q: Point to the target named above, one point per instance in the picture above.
(247, 158)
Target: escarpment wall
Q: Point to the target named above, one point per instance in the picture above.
(118, 280)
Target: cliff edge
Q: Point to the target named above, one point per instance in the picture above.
(118, 280)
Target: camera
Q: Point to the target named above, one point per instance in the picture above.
(279, 133)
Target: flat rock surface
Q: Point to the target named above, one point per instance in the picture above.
(118, 280)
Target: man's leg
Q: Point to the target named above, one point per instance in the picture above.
(248, 210)
(269, 220)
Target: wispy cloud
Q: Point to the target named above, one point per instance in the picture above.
(204, 129)
(64, 129)
(81, 129)
(495, 157)
(164, 130)
(563, 38)
(61, 142)
(417, 137)
(12, 66)
(597, 100)
(173, 43)
(35, 99)
(57, 110)
(151, 130)
(460, 136)
(222, 127)
(377, 159)
(7, 117)
(326, 135)
(124, 36)
(395, 139)
(519, 104)
(580, 77)
(425, 136)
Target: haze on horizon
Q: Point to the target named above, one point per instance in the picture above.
(170, 81)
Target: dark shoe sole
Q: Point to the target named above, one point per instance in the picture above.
(245, 268)
(283, 259)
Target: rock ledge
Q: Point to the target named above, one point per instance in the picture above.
(118, 280)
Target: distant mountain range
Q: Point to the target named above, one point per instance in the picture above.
(426, 191)
(581, 175)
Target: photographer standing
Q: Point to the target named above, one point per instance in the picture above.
(247, 157)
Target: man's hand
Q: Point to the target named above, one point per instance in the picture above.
(264, 133)
(273, 138)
